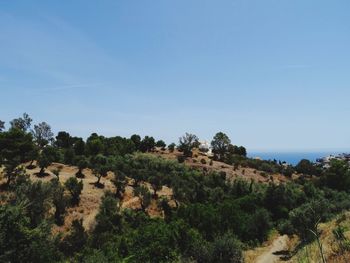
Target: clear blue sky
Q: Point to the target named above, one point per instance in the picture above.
(272, 74)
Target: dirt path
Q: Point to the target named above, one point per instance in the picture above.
(271, 256)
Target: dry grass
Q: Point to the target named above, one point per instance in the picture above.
(332, 251)
(232, 174)
(91, 195)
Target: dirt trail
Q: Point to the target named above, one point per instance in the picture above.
(279, 245)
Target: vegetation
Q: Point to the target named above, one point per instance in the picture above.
(207, 219)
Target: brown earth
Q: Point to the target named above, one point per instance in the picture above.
(91, 195)
(231, 173)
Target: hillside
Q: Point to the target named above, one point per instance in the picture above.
(231, 171)
(91, 195)
(116, 199)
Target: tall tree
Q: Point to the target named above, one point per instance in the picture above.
(220, 144)
(74, 187)
(64, 140)
(42, 134)
(187, 142)
(15, 149)
(21, 123)
(147, 144)
(99, 167)
(46, 157)
(59, 201)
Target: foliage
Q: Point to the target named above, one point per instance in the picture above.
(220, 144)
(22, 124)
(74, 187)
(42, 134)
(16, 147)
(187, 142)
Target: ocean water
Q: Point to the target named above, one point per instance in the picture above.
(290, 157)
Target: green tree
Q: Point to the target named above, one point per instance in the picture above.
(220, 144)
(136, 140)
(94, 144)
(46, 157)
(64, 140)
(145, 196)
(147, 144)
(21, 123)
(74, 187)
(37, 197)
(226, 249)
(306, 167)
(59, 201)
(187, 142)
(19, 242)
(82, 163)
(108, 220)
(99, 167)
(171, 147)
(42, 134)
(120, 183)
(79, 146)
(75, 240)
(337, 176)
(160, 144)
(15, 148)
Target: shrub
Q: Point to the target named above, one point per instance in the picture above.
(181, 158)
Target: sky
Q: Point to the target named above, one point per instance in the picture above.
(274, 75)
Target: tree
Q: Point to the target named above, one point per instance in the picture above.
(59, 201)
(120, 183)
(56, 172)
(46, 157)
(136, 139)
(64, 140)
(337, 176)
(21, 123)
(37, 197)
(220, 144)
(306, 167)
(227, 249)
(2, 125)
(108, 220)
(15, 149)
(147, 144)
(42, 134)
(19, 242)
(94, 144)
(75, 240)
(171, 147)
(145, 196)
(82, 164)
(156, 182)
(161, 144)
(79, 146)
(99, 167)
(74, 187)
(187, 143)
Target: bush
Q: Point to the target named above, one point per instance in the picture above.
(181, 158)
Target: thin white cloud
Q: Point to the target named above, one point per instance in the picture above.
(70, 87)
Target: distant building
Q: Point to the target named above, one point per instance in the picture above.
(205, 148)
(325, 161)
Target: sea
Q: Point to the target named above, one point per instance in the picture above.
(291, 157)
